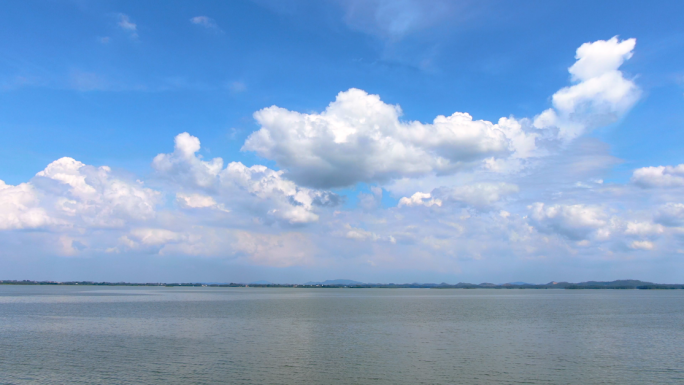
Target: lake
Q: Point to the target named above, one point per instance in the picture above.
(158, 335)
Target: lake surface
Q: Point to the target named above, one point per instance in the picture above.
(126, 335)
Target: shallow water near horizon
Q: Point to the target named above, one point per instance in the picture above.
(158, 335)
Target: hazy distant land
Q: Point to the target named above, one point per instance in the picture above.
(346, 283)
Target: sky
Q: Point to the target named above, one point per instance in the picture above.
(380, 141)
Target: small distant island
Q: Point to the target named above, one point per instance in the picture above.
(627, 284)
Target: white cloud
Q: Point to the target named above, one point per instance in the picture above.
(359, 138)
(198, 201)
(474, 214)
(290, 202)
(72, 203)
(642, 245)
(360, 234)
(419, 199)
(155, 237)
(257, 187)
(279, 250)
(194, 240)
(19, 208)
(671, 215)
(643, 228)
(184, 167)
(92, 195)
(479, 195)
(576, 222)
(660, 176)
(206, 22)
(602, 94)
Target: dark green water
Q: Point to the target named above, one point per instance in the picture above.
(127, 335)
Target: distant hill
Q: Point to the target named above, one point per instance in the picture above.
(336, 282)
(619, 284)
(348, 283)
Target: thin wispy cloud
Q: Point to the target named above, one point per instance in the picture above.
(393, 20)
(237, 87)
(87, 81)
(206, 22)
(127, 25)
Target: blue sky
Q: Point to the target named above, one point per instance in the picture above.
(112, 84)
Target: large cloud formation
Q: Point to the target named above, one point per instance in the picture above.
(258, 187)
(78, 209)
(359, 138)
(70, 193)
(467, 209)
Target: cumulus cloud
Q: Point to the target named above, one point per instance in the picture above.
(420, 199)
(72, 201)
(638, 228)
(670, 214)
(19, 208)
(642, 245)
(92, 195)
(258, 187)
(198, 201)
(576, 222)
(265, 216)
(359, 138)
(291, 203)
(601, 94)
(477, 195)
(184, 166)
(660, 176)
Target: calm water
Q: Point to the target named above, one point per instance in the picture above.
(339, 336)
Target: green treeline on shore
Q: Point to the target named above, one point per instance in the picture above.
(593, 285)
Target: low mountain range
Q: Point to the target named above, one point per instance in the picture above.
(336, 282)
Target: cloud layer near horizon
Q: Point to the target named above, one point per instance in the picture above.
(467, 189)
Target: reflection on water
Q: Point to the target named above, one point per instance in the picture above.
(339, 336)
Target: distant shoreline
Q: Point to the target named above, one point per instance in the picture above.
(593, 285)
